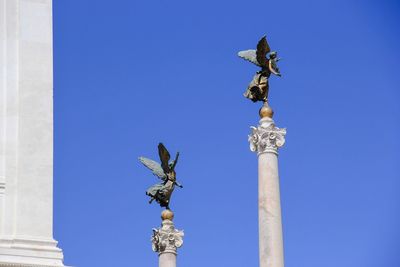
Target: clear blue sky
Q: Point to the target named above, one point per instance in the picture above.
(129, 74)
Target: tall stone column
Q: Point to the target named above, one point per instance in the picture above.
(26, 135)
(265, 140)
(166, 240)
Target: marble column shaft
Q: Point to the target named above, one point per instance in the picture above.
(167, 259)
(265, 140)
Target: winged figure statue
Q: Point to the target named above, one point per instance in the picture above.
(162, 192)
(267, 60)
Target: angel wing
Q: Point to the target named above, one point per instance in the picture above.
(164, 157)
(154, 167)
(249, 55)
(262, 50)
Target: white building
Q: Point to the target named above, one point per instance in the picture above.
(26, 135)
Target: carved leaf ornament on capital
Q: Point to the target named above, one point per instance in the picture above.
(266, 139)
(166, 239)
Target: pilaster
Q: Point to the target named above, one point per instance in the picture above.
(26, 135)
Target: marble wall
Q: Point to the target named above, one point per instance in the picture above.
(26, 134)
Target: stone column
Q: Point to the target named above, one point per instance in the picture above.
(26, 135)
(166, 240)
(265, 140)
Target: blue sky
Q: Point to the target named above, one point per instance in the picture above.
(128, 74)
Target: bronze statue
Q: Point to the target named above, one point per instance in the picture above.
(259, 87)
(166, 172)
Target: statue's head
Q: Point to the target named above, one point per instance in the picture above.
(171, 175)
(273, 55)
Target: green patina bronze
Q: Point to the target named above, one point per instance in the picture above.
(162, 192)
(267, 60)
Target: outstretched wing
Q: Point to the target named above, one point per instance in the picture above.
(154, 167)
(249, 55)
(164, 157)
(262, 50)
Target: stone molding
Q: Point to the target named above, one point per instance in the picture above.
(2, 188)
(167, 239)
(5, 264)
(29, 251)
(26, 242)
(266, 138)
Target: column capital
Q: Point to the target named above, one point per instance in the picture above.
(167, 239)
(266, 138)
